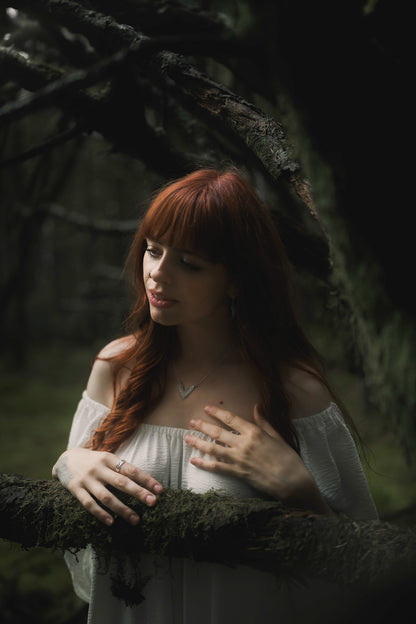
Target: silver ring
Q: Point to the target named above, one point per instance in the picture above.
(119, 465)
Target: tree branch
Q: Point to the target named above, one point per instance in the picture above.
(162, 17)
(17, 67)
(307, 251)
(288, 543)
(101, 29)
(79, 221)
(54, 91)
(261, 134)
(196, 32)
(56, 140)
(128, 132)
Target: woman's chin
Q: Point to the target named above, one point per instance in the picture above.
(162, 318)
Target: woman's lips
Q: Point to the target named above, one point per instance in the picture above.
(160, 301)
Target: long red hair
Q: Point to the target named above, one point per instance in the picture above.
(219, 215)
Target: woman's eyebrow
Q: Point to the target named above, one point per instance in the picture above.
(191, 252)
(187, 251)
(199, 255)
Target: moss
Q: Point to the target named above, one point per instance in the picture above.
(288, 543)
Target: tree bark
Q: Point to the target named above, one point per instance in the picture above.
(289, 543)
(263, 136)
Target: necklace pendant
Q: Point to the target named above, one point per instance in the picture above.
(185, 392)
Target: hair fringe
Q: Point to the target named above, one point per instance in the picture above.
(222, 216)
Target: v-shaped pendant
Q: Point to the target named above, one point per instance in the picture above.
(185, 392)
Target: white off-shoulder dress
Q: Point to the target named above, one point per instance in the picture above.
(182, 591)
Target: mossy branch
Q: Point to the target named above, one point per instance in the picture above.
(119, 43)
(289, 543)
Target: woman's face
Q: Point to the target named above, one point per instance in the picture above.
(182, 287)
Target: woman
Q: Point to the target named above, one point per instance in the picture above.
(215, 386)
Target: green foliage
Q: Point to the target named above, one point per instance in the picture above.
(36, 408)
(35, 587)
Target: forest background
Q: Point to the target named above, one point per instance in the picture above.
(101, 103)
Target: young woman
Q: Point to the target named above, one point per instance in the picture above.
(215, 386)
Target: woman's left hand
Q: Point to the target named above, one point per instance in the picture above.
(258, 454)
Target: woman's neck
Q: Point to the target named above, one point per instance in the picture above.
(202, 347)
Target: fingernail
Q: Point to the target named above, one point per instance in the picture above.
(150, 499)
(109, 521)
(134, 519)
(157, 489)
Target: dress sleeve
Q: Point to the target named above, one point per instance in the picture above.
(87, 418)
(329, 453)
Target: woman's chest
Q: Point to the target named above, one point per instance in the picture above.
(180, 403)
(162, 452)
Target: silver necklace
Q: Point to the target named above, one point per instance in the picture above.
(185, 392)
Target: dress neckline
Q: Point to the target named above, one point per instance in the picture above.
(331, 409)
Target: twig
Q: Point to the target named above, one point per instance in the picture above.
(79, 221)
(53, 91)
(60, 138)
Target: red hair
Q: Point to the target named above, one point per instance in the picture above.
(220, 216)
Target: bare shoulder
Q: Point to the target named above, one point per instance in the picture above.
(117, 346)
(308, 395)
(100, 385)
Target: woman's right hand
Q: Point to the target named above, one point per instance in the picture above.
(86, 474)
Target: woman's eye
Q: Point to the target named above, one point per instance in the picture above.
(190, 265)
(154, 253)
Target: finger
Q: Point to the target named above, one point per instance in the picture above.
(140, 477)
(125, 484)
(264, 424)
(215, 432)
(91, 505)
(228, 418)
(95, 491)
(114, 504)
(213, 465)
(209, 448)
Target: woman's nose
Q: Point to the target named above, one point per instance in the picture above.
(161, 271)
